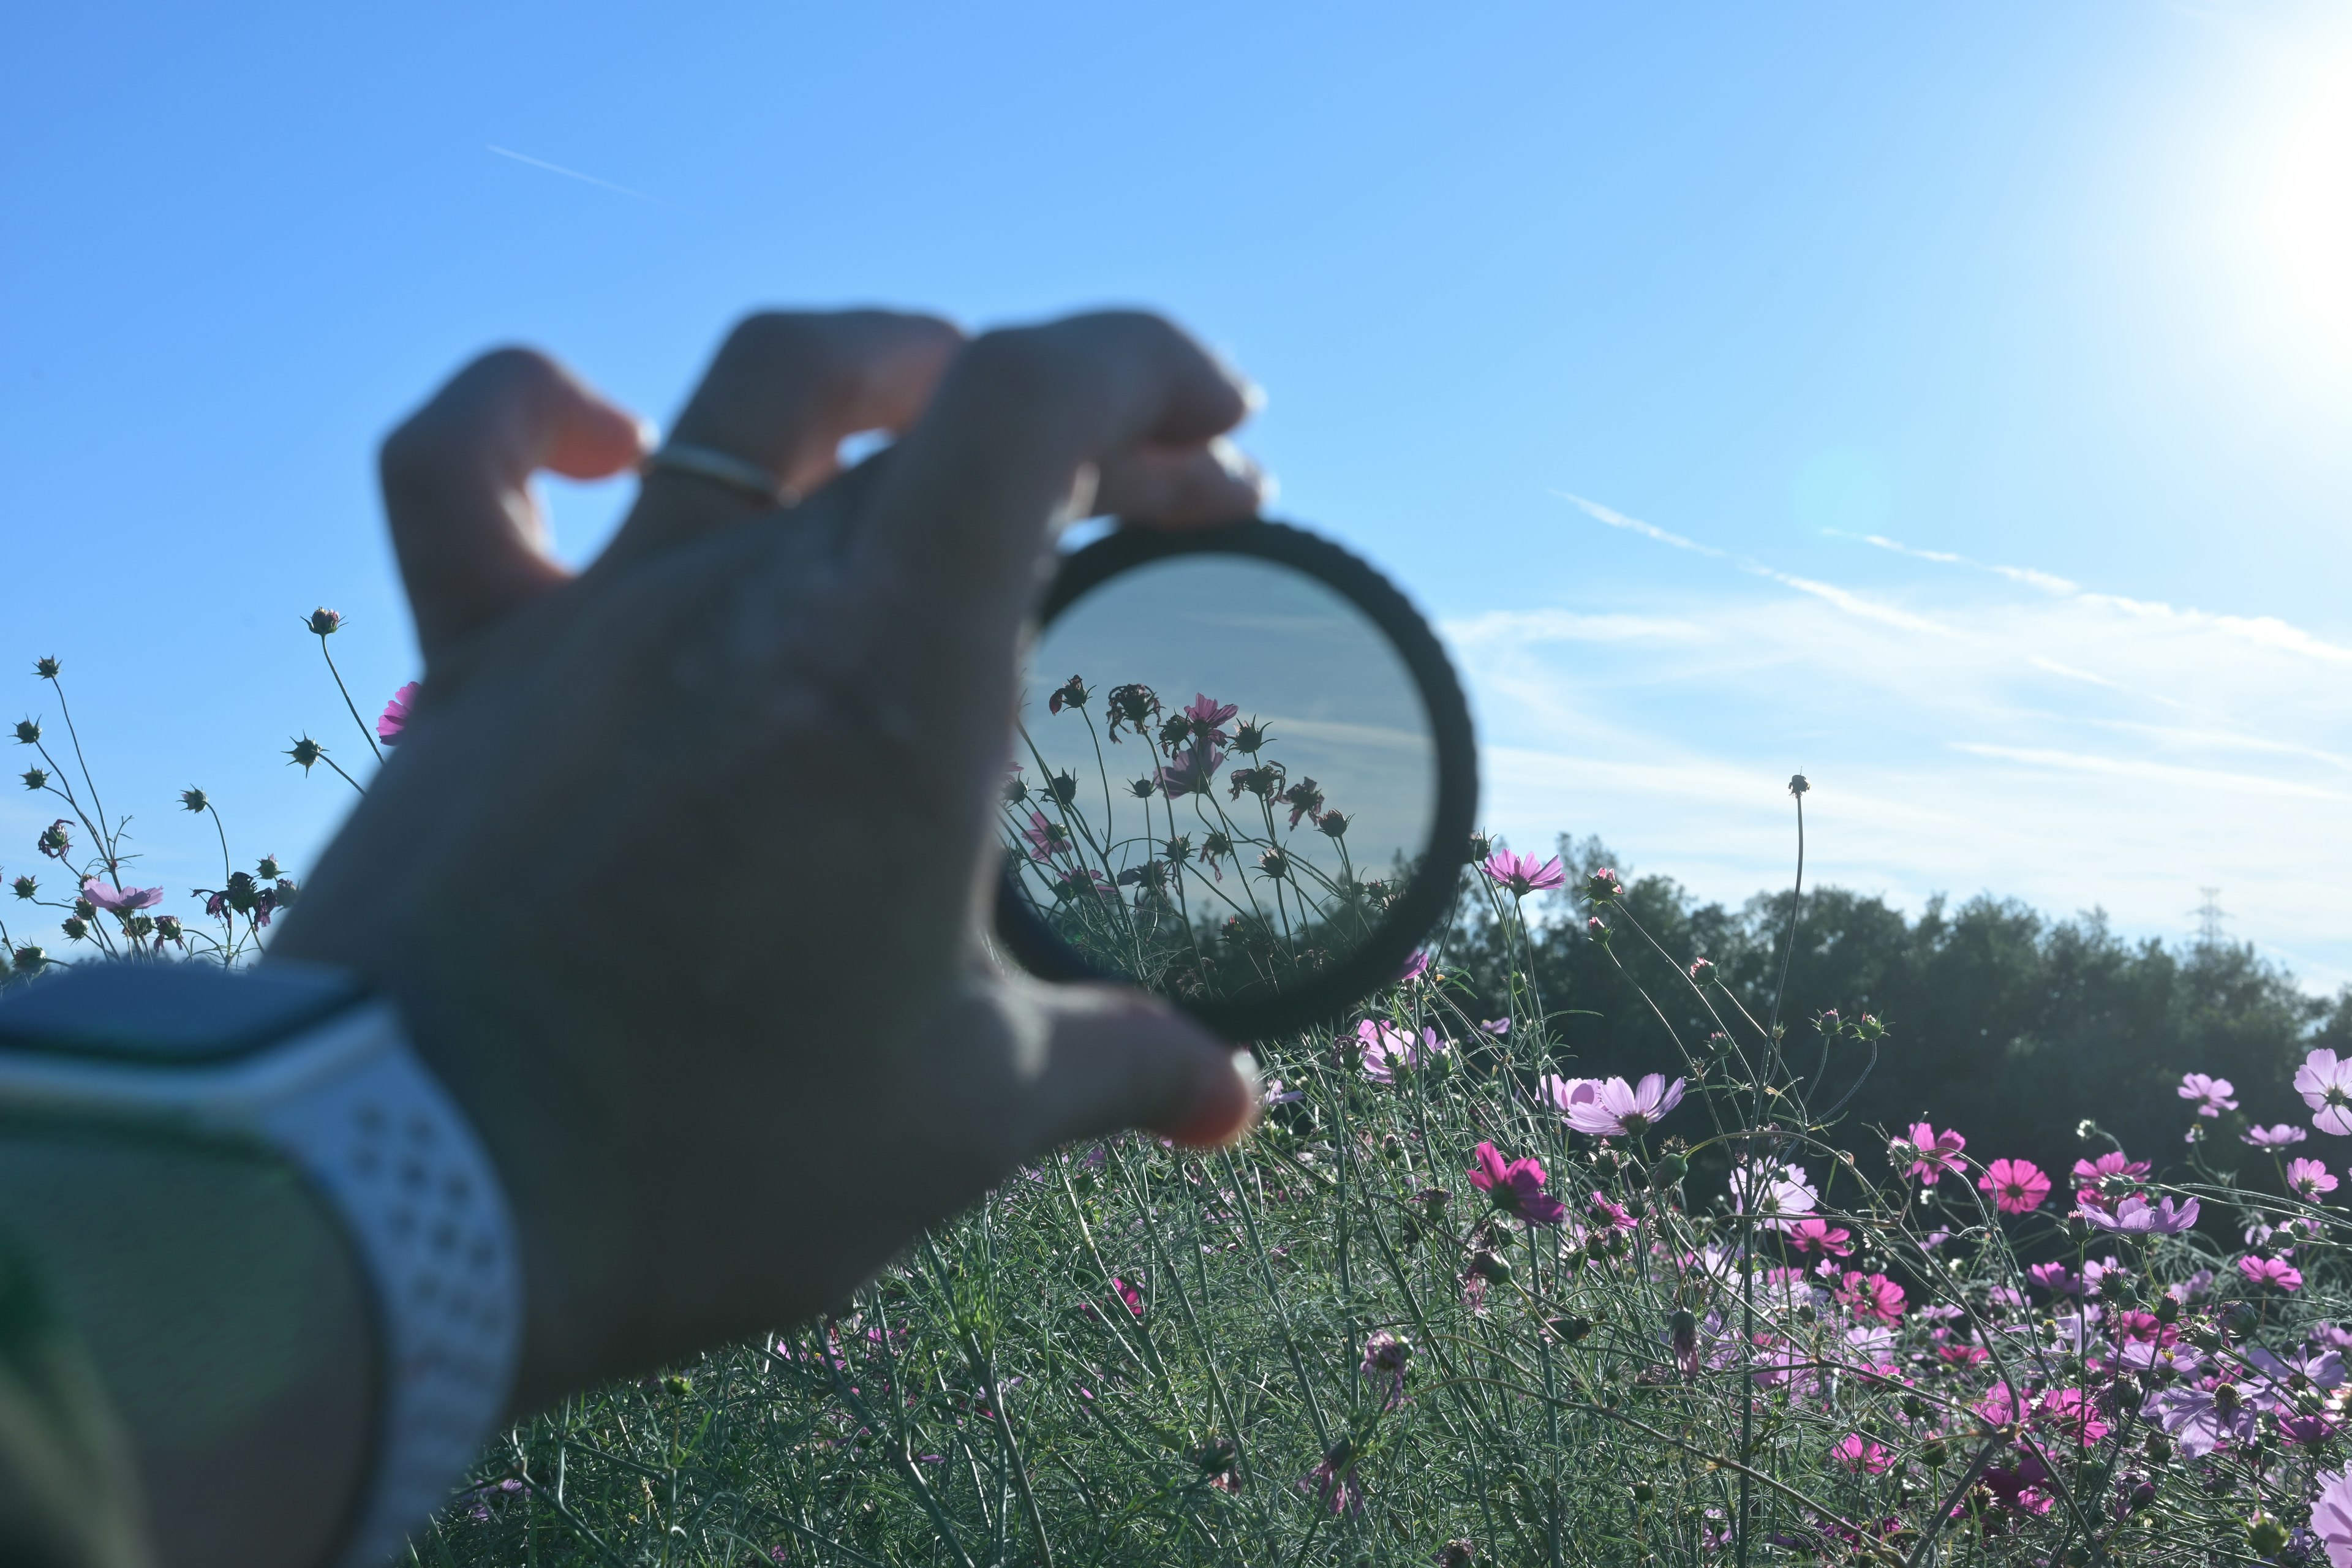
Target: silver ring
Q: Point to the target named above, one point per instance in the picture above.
(737, 474)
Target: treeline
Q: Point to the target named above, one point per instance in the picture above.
(2009, 1024)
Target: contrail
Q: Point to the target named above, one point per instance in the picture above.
(573, 173)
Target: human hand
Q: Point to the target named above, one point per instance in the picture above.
(679, 872)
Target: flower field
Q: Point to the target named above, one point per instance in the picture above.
(1468, 1295)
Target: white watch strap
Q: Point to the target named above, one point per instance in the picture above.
(388, 1148)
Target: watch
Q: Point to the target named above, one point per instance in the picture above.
(296, 1064)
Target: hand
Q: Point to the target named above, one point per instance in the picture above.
(679, 870)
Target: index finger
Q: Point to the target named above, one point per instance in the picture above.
(1024, 420)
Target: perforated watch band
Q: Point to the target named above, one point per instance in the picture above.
(382, 1141)
(342, 1097)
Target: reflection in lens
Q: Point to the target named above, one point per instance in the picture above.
(1223, 776)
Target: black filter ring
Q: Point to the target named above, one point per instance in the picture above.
(1332, 994)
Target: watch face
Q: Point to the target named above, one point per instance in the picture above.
(176, 1013)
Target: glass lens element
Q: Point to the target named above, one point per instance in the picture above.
(1224, 775)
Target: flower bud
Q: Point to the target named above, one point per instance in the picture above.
(1572, 1328)
(2266, 1535)
(1331, 825)
(1603, 885)
(269, 867)
(74, 926)
(36, 779)
(306, 752)
(1595, 929)
(27, 733)
(1489, 1265)
(1798, 784)
(325, 622)
(85, 909)
(1668, 1170)
(1063, 787)
(1702, 973)
(46, 669)
(1643, 1491)
(31, 959)
(2168, 1311)
(24, 887)
(1935, 1454)
(194, 799)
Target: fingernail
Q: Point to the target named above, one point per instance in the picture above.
(1227, 1109)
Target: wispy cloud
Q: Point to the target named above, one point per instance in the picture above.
(576, 175)
(1973, 727)
(1600, 513)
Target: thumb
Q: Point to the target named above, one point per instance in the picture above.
(1116, 1059)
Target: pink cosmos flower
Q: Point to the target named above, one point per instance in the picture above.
(2212, 1094)
(1784, 1193)
(1209, 716)
(2056, 1278)
(1616, 1108)
(2325, 1085)
(1514, 1187)
(1929, 1153)
(1807, 1235)
(2070, 1412)
(1495, 1026)
(128, 901)
(2283, 1136)
(1333, 1482)
(1129, 1294)
(2018, 1186)
(1414, 967)
(1564, 1092)
(1046, 838)
(1872, 1296)
(2331, 1517)
(2309, 1178)
(2275, 1271)
(1524, 874)
(1385, 1357)
(2099, 1183)
(2137, 1216)
(1861, 1455)
(1191, 769)
(1388, 1050)
(395, 716)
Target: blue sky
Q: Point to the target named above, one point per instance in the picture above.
(1956, 405)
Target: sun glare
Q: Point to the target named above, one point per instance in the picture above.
(2311, 204)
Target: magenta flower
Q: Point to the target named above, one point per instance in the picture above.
(2137, 1216)
(1523, 874)
(1209, 717)
(1872, 1296)
(1861, 1455)
(395, 716)
(2325, 1085)
(1129, 1295)
(2331, 1517)
(1815, 1233)
(1333, 1482)
(2018, 1186)
(2114, 1174)
(1193, 770)
(2275, 1271)
(1385, 1355)
(1929, 1153)
(1388, 1050)
(2309, 1178)
(1046, 838)
(2283, 1136)
(2212, 1094)
(128, 901)
(1414, 967)
(2056, 1278)
(1617, 1110)
(1514, 1187)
